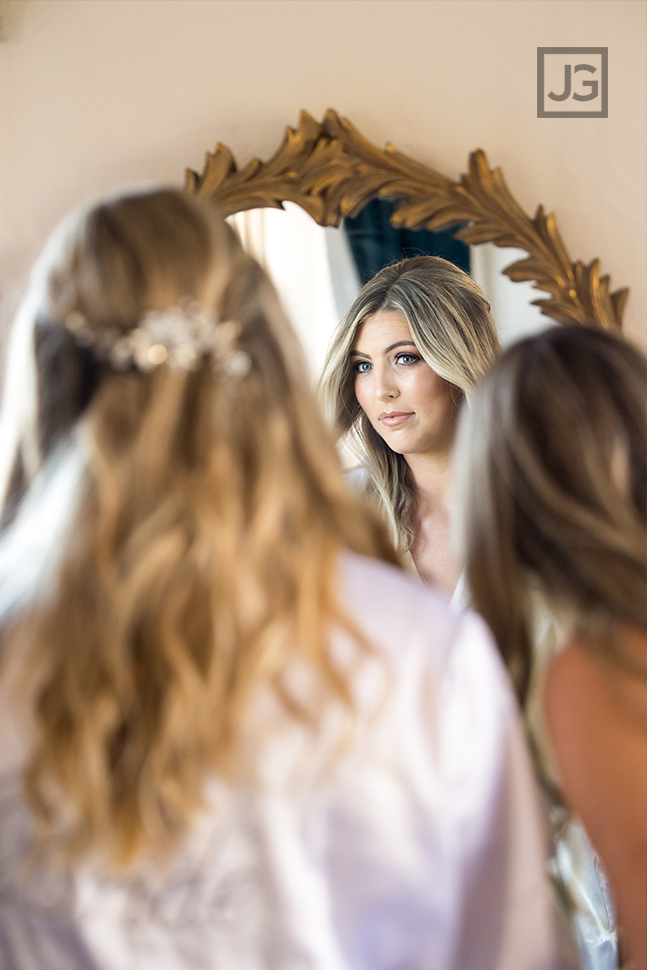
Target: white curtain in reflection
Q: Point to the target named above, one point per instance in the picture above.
(295, 252)
(512, 308)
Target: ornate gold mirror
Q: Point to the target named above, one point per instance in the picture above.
(332, 171)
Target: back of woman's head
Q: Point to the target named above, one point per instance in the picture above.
(448, 316)
(203, 516)
(552, 478)
(108, 264)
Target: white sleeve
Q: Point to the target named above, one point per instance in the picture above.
(506, 916)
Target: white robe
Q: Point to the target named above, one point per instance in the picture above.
(419, 846)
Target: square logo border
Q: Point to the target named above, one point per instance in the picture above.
(604, 84)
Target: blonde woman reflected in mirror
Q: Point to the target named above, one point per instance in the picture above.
(552, 464)
(410, 349)
(232, 733)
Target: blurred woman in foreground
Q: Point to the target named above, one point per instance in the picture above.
(230, 736)
(552, 465)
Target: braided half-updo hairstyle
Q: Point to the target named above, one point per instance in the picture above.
(172, 533)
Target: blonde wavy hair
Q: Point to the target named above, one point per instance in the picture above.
(193, 526)
(451, 326)
(551, 472)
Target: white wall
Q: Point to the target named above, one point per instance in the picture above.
(97, 94)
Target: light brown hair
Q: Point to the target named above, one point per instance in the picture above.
(552, 460)
(201, 518)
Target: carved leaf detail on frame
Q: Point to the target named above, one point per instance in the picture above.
(332, 171)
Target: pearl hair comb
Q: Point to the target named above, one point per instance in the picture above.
(179, 337)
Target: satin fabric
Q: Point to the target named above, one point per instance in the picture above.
(417, 845)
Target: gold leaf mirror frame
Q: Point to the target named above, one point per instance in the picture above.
(332, 171)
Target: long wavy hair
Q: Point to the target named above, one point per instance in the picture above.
(551, 472)
(450, 324)
(176, 537)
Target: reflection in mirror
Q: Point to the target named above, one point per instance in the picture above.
(377, 241)
(313, 271)
(513, 309)
(318, 271)
(311, 267)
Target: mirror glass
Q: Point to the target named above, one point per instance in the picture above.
(319, 271)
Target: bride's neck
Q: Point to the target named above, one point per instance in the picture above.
(432, 478)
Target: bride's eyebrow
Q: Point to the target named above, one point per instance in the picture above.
(387, 350)
(400, 343)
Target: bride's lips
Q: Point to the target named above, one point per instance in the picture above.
(393, 419)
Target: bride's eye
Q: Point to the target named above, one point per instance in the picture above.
(361, 367)
(407, 359)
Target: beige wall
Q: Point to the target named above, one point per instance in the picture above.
(97, 94)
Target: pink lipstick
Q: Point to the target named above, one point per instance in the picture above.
(393, 419)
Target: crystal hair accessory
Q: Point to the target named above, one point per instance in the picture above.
(178, 337)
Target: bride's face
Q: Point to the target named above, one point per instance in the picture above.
(408, 404)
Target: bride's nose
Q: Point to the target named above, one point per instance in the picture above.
(386, 390)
